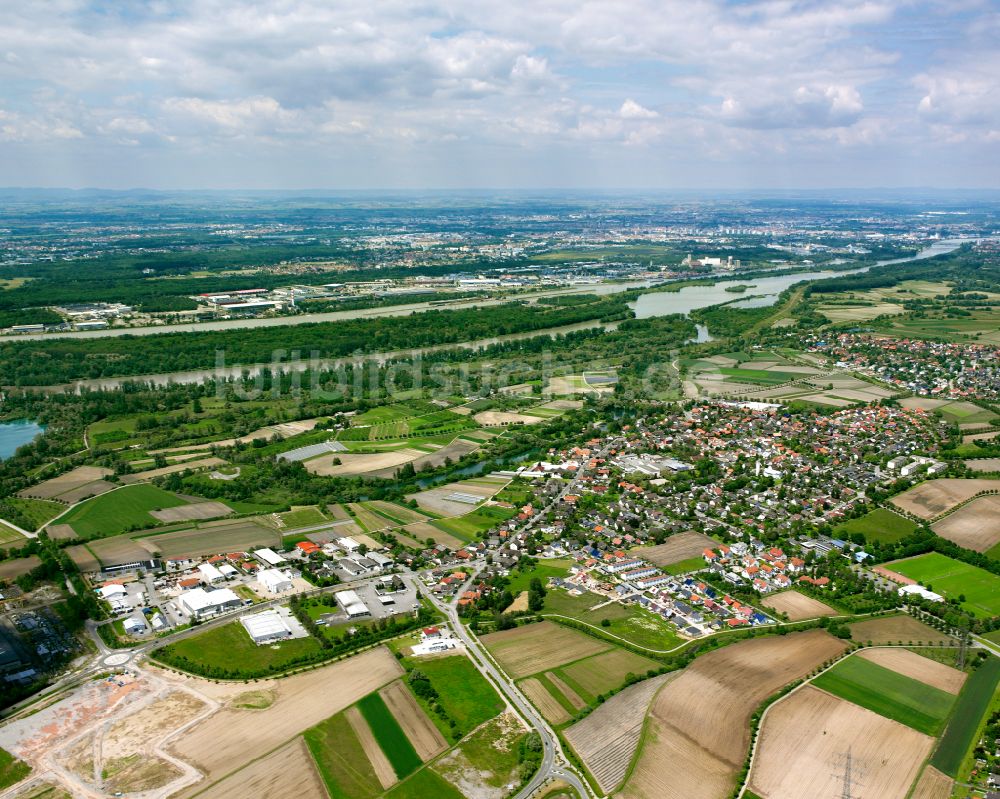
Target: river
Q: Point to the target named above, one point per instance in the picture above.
(765, 291)
(658, 303)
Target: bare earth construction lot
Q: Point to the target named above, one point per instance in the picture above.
(698, 723)
(803, 739)
(676, 548)
(797, 606)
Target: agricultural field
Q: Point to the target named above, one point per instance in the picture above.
(629, 622)
(118, 511)
(233, 737)
(797, 606)
(966, 413)
(804, 734)
(699, 722)
(972, 705)
(682, 547)
(900, 629)
(973, 526)
(933, 498)
(73, 486)
(287, 773)
(341, 760)
(471, 525)
(912, 665)
(237, 535)
(954, 579)
(608, 738)
(932, 785)
(305, 516)
(230, 648)
(444, 500)
(425, 783)
(983, 326)
(389, 735)
(466, 696)
(879, 525)
(539, 647)
(599, 674)
(416, 725)
(888, 693)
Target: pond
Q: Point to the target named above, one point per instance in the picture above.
(17, 434)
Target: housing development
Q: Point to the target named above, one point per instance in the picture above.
(670, 501)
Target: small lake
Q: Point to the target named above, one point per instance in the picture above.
(16, 434)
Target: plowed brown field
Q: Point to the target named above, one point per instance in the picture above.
(922, 669)
(805, 736)
(699, 723)
(797, 606)
(233, 737)
(424, 736)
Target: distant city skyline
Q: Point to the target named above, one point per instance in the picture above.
(643, 94)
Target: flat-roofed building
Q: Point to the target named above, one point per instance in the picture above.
(210, 574)
(201, 603)
(352, 604)
(266, 627)
(275, 580)
(268, 557)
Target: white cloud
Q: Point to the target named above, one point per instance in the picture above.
(632, 110)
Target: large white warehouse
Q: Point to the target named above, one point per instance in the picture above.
(266, 627)
(275, 580)
(201, 603)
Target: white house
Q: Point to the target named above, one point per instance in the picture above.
(275, 580)
(134, 625)
(112, 591)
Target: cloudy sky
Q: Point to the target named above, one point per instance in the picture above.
(518, 93)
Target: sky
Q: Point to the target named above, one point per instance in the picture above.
(368, 94)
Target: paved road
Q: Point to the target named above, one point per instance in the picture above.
(554, 763)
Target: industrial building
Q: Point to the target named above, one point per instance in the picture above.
(268, 557)
(275, 580)
(200, 603)
(352, 604)
(209, 574)
(266, 627)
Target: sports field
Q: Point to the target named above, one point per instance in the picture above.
(888, 693)
(954, 580)
(880, 525)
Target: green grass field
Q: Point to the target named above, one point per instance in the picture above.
(972, 705)
(230, 648)
(12, 770)
(390, 736)
(954, 579)
(757, 376)
(521, 580)
(303, 517)
(888, 693)
(119, 511)
(425, 784)
(880, 525)
(39, 511)
(469, 526)
(966, 413)
(463, 692)
(341, 760)
(631, 623)
(689, 565)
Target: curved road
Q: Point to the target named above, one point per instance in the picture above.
(554, 764)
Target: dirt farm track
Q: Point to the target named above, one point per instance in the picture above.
(805, 736)
(698, 723)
